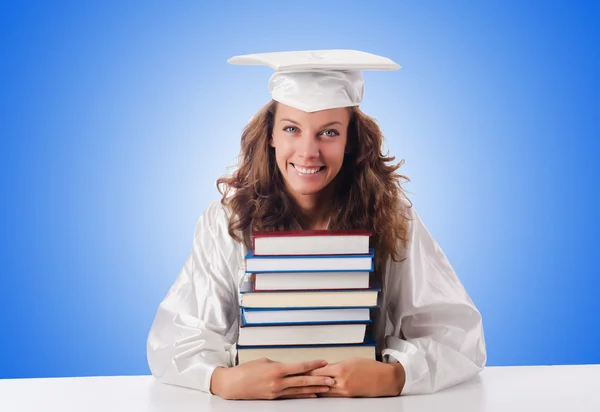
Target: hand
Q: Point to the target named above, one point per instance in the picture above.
(265, 379)
(360, 377)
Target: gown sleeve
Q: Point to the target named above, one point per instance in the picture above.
(433, 328)
(195, 328)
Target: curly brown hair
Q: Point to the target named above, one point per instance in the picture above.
(368, 191)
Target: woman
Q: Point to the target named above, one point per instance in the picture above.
(312, 160)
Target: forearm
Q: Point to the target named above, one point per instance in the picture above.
(399, 378)
(430, 366)
(218, 382)
(179, 363)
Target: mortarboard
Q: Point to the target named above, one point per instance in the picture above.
(313, 80)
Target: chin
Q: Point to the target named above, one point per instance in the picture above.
(307, 191)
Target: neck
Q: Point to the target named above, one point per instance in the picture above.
(315, 210)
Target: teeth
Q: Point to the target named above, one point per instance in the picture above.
(307, 171)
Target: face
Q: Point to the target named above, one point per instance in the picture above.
(309, 147)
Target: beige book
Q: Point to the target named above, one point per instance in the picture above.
(331, 354)
(307, 299)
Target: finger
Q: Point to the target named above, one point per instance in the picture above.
(304, 390)
(333, 395)
(302, 367)
(305, 380)
(299, 396)
(337, 392)
(329, 370)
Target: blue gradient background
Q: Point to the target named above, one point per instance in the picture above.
(116, 120)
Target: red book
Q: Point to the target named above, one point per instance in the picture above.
(311, 242)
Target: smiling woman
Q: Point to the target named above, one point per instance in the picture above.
(311, 159)
(316, 170)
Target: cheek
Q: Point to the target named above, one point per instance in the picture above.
(282, 158)
(282, 146)
(281, 150)
(335, 156)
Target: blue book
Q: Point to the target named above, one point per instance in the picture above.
(310, 263)
(303, 316)
(311, 280)
(307, 334)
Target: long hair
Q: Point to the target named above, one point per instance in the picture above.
(368, 191)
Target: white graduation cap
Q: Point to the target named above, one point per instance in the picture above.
(315, 80)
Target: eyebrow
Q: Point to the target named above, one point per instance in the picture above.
(325, 125)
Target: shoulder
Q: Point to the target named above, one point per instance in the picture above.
(418, 237)
(214, 213)
(405, 206)
(407, 212)
(214, 247)
(214, 219)
(214, 223)
(407, 217)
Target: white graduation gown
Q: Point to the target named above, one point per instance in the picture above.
(428, 322)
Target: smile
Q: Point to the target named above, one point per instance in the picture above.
(308, 170)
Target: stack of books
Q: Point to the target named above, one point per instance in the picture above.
(307, 295)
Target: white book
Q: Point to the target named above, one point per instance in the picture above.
(311, 280)
(311, 242)
(333, 263)
(301, 334)
(260, 316)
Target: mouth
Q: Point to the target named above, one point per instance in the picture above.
(306, 170)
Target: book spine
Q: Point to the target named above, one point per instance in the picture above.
(245, 324)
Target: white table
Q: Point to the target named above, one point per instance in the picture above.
(513, 389)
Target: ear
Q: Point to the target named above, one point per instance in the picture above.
(271, 141)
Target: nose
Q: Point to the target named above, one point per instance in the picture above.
(308, 147)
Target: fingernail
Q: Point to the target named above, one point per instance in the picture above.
(324, 389)
(329, 381)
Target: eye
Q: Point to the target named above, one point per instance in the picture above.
(291, 129)
(330, 133)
